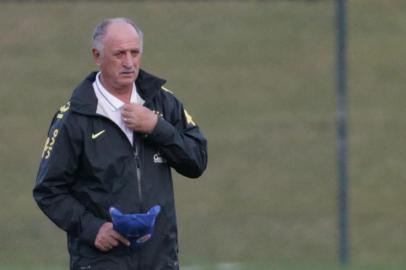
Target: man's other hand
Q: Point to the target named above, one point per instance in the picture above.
(139, 118)
(107, 238)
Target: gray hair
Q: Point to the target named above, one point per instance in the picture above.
(101, 29)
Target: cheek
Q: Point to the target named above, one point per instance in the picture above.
(137, 60)
(107, 65)
(115, 66)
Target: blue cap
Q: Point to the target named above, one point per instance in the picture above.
(137, 228)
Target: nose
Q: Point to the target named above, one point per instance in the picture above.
(127, 60)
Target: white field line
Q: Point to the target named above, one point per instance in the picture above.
(219, 266)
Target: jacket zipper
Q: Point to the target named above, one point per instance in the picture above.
(138, 165)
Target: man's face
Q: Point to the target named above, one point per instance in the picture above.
(120, 60)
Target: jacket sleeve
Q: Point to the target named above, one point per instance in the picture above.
(180, 140)
(55, 177)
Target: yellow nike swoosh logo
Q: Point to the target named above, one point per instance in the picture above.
(95, 135)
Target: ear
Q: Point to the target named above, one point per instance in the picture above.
(96, 56)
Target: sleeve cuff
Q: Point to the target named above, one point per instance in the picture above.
(163, 132)
(91, 229)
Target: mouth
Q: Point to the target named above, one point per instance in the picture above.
(127, 73)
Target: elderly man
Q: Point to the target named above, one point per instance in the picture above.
(113, 145)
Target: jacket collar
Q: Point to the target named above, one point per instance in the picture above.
(84, 100)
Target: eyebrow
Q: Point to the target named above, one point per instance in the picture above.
(129, 49)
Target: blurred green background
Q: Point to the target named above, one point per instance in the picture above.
(258, 77)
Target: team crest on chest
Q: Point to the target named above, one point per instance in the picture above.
(158, 158)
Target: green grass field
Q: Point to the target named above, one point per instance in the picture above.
(247, 266)
(258, 77)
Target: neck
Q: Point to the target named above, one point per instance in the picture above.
(123, 93)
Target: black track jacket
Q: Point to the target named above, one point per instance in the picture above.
(88, 165)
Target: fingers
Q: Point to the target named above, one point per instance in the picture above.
(121, 239)
(139, 118)
(104, 246)
(131, 107)
(126, 115)
(130, 114)
(107, 238)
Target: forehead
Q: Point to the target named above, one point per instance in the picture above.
(121, 36)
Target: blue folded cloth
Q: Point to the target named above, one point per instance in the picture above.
(137, 228)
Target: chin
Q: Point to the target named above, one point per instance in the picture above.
(127, 79)
(125, 83)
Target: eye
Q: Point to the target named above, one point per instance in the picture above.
(119, 54)
(134, 53)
